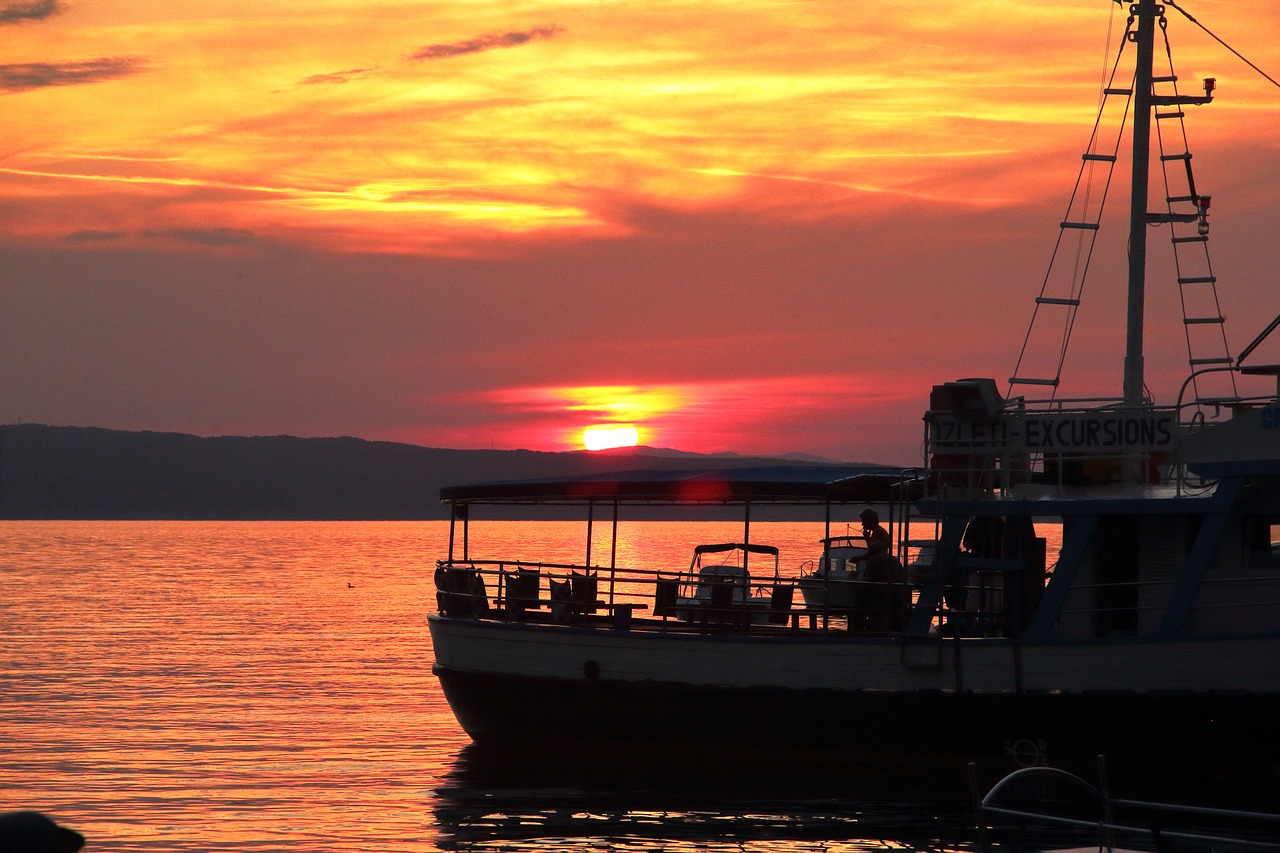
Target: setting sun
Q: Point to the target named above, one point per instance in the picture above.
(651, 215)
(604, 437)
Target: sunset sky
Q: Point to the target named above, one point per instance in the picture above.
(762, 226)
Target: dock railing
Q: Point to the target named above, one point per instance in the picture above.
(1162, 826)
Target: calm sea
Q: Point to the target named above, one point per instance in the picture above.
(263, 686)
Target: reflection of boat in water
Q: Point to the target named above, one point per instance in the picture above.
(1152, 638)
(494, 794)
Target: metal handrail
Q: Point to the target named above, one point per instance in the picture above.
(1108, 827)
(621, 586)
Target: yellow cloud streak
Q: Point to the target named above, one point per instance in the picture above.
(620, 403)
(670, 105)
(381, 199)
(704, 415)
(140, 179)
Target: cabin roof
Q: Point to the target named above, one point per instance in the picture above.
(800, 484)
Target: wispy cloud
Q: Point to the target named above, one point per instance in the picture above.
(24, 76)
(94, 236)
(489, 41)
(441, 50)
(36, 10)
(195, 236)
(205, 236)
(336, 77)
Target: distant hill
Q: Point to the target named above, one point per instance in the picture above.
(49, 472)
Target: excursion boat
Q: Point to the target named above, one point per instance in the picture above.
(1151, 635)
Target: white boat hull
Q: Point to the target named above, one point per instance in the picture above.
(819, 592)
(924, 698)
(1134, 665)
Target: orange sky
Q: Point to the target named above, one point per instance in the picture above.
(763, 227)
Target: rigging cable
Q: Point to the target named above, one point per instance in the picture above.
(1076, 202)
(1192, 19)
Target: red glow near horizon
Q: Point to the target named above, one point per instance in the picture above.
(758, 416)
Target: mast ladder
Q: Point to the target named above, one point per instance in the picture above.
(1054, 315)
(1187, 215)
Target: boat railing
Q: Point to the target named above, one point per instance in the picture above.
(1035, 798)
(511, 588)
(616, 597)
(985, 604)
(1231, 403)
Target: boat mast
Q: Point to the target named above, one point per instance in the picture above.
(1145, 10)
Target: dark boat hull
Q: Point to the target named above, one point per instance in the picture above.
(1171, 738)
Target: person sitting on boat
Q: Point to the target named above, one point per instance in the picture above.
(877, 537)
(877, 602)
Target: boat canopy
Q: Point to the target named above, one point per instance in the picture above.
(735, 546)
(800, 484)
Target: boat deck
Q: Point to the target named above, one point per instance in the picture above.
(647, 601)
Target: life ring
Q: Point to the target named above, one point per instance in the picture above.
(1026, 752)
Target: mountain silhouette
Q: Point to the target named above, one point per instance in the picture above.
(56, 472)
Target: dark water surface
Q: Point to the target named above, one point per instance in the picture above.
(262, 686)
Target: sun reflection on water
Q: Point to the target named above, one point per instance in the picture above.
(260, 686)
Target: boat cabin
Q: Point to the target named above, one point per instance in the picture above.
(1164, 531)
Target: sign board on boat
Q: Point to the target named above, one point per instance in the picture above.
(1064, 432)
